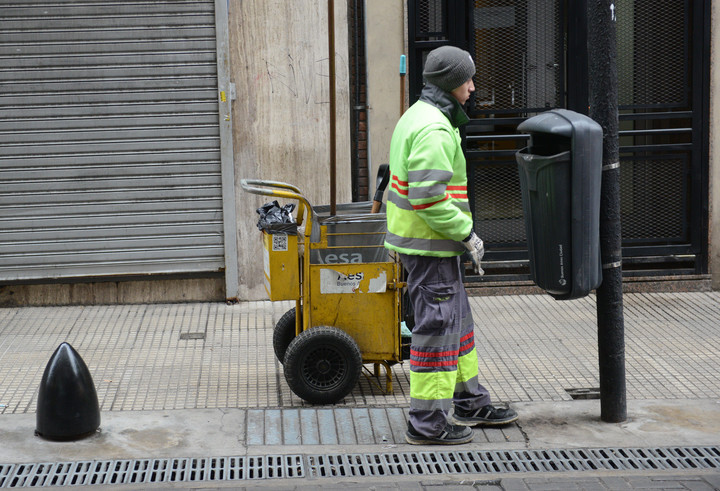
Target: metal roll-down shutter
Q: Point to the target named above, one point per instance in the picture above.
(109, 139)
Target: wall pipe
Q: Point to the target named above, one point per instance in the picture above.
(333, 142)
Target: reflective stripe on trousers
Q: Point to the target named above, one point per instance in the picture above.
(443, 359)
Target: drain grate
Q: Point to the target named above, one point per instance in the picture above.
(592, 393)
(354, 465)
(151, 471)
(511, 461)
(186, 336)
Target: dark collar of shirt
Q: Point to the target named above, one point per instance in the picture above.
(446, 103)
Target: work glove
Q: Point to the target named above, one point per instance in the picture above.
(476, 248)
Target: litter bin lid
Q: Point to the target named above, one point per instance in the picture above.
(561, 122)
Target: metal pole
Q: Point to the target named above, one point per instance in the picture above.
(333, 143)
(604, 109)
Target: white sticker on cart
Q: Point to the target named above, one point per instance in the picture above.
(332, 281)
(280, 242)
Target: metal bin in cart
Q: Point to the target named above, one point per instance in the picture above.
(347, 289)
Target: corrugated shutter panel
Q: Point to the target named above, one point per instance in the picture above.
(109, 139)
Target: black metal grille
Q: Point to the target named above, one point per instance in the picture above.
(430, 20)
(653, 52)
(141, 471)
(532, 56)
(146, 471)
(518, 53)
(653, 199)
(498, 205)
(659, 151)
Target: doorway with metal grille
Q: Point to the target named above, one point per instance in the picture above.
(531, 56)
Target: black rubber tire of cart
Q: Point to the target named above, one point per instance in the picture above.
(322, 365)
(283, 334)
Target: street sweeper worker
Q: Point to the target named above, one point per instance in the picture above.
(430, 225)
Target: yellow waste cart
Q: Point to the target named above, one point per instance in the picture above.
(347, 289)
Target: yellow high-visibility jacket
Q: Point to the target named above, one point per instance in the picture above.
(428, 212)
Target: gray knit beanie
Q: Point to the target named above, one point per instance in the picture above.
(448, 67)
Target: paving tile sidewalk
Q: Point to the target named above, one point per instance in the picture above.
(531, 348)
(168, 369)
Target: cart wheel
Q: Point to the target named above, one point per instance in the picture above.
(322, 365)
(284, 333)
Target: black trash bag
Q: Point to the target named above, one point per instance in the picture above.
(275, 219)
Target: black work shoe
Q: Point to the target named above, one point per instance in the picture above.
(450, 435)
(485, 416)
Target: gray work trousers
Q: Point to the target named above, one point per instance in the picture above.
(443, 359)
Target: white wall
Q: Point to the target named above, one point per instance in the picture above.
(385, 35)
(280, 67)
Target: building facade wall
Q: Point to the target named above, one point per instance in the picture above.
(278, 57)
(385, 38)
(714, 250)
(640, 279)
(279, 64)
(281, 116)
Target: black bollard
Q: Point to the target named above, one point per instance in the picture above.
(67, 407)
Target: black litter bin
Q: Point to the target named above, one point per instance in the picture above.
(560, 177)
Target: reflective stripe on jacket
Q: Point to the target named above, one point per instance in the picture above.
(428, 212)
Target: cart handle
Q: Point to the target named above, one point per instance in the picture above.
(282, 190)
